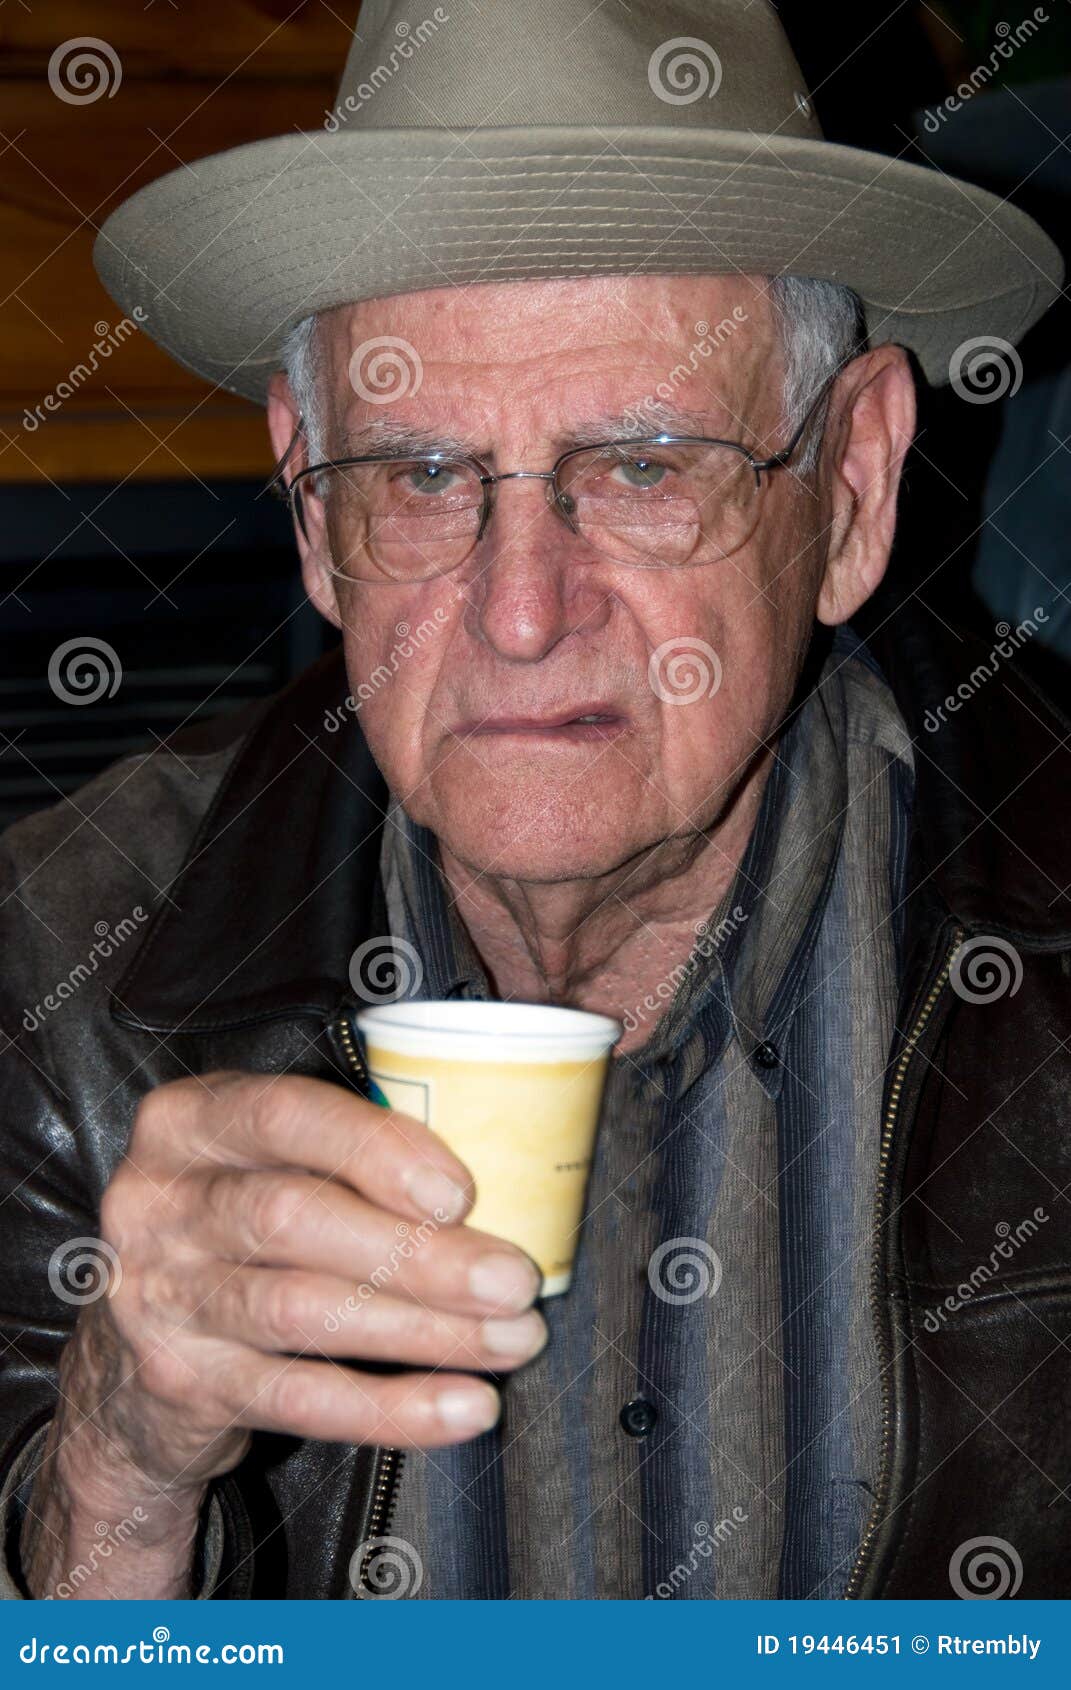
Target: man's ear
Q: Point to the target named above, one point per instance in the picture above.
(872, 424)
(314, 546)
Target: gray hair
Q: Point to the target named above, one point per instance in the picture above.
(299, 356)
(822, 325)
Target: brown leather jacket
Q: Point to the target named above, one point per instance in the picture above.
(264, 828)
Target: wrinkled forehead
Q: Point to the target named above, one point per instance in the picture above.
(543, 356)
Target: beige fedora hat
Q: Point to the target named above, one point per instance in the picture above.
(523, 139)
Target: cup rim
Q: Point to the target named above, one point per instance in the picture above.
(469, 1018)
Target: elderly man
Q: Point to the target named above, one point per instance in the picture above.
(593, 531)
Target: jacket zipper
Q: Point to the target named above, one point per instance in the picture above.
(878, 1312)
(388, 1462)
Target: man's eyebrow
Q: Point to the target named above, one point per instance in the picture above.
(645, 419)
(385, 438)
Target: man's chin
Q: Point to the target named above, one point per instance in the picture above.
(539, 846)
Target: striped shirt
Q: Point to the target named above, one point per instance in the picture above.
(705, 1419)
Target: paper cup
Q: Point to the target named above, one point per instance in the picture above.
(514, 1089)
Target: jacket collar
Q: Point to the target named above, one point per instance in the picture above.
(274, 894)
(992, 777)
(280, 884)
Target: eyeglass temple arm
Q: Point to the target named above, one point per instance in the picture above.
(276, 484)
(782, 457)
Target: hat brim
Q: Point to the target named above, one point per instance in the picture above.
(225, 256)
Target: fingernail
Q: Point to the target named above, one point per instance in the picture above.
(521, 1338)
(506, 1282)
(436, 1193)
(469, 1409)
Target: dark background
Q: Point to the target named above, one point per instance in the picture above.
(172, 554)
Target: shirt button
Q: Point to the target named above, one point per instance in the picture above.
(638, 1417)
(766, 1055)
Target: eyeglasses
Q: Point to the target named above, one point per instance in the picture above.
(654, 503)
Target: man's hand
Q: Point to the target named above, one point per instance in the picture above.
(269, 1229)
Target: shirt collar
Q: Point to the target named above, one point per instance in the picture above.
(772, 914)
(749, 961)
(421, 910)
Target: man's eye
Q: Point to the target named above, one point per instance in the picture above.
(428, 478)
(639, 473)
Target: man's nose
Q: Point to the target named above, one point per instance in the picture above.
(533, 582)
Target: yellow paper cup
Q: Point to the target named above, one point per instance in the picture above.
(514, 1089)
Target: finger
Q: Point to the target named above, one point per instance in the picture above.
(294, 1220)
(264, 1120)
(321, 1400)
(274, 1309)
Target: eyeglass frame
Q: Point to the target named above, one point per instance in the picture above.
(489, 479)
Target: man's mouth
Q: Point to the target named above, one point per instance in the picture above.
(588, 721)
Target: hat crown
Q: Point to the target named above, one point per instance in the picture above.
(706, 64)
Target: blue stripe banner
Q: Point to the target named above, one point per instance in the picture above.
(545, 1646)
